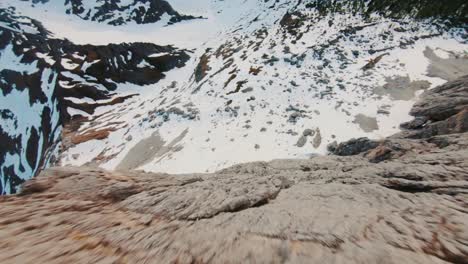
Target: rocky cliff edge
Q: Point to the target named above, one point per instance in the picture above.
(401, 200)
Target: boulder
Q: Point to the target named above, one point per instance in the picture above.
(353, 147)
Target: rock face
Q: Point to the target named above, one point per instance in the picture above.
(444, 109)
(403, 201)
(441, 111)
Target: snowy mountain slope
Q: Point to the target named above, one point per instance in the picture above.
(191, 34)
(264, 80)
(46, 82)
(283, 82)
(29, 116)
(118, 12)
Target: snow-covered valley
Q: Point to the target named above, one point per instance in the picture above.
(242, 80)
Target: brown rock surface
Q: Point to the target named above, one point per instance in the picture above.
(90, 135)
(404, 201)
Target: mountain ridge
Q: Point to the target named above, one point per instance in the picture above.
(118, 12)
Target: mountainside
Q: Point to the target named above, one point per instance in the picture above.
(233, 131)
(120, 85)
(119, 12)
(403, 200)
(46, 82)
(457, 10)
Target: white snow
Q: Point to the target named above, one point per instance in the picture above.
(76, 112)
(86, 65)
(144, 64)
(68, 64)
(47, 58)
(9, 60)
(157, 55)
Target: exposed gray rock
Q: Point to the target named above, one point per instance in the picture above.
(442, 110)
(308, 132)
(301, 141)
(383, 112)
(247, 90)
(353, 147)
(317, 141)
(303, 138)
(443, 101)
(416, 123)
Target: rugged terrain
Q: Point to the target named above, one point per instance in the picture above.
(181, 86)
(400, 200)
(119, 12)
(103, 99)
(47, 81)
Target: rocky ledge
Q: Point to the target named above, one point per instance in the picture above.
(402, 200)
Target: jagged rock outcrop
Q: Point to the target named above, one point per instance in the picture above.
(408, 207)
(441, 111)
